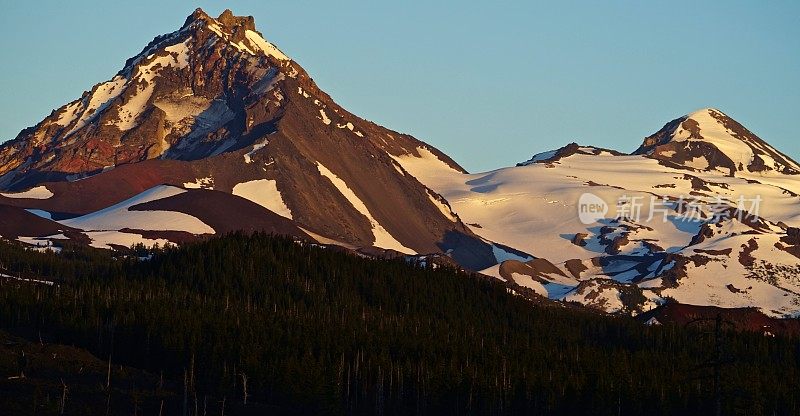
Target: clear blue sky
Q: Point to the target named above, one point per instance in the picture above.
(490, 83)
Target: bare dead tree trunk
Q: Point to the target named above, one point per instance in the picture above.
(108, 402)
(63, 396)
(108, 374)
(244, 387)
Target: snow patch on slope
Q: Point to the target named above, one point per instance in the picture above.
(264, 192)
(100, 98)
(200, 183)
(527, 281)
(108, 239)
(324, 117)
(264, 46)
(39, 192)
(69, 114)
(426, 167)
(382, 237)
(134, 107)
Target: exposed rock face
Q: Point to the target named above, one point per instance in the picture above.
(566, 151)
(710, 140)
(214, 105)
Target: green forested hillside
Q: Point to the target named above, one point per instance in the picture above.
(309, 330)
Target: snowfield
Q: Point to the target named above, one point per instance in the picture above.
(534, 208)
(119, 216)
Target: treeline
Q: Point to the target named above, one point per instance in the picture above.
(310, 330)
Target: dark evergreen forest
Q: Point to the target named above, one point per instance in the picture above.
(265, 325)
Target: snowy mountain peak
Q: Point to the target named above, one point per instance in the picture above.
(227, 19)
(704, 112)
(214, 108)
(185, 95)
(709, 119)
(226, 22)
(238, 31)
(710, 140)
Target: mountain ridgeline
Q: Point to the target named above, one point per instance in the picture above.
(212, 129)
